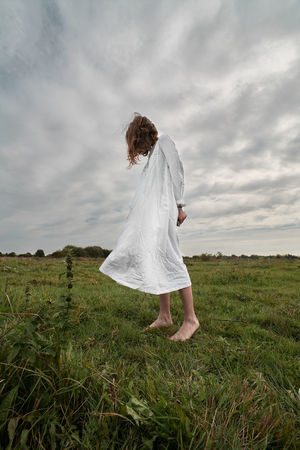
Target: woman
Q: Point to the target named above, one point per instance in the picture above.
(147, 256)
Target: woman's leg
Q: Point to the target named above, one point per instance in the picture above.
(190, 322)
(164, 318)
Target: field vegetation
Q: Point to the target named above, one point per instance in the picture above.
(78, 371)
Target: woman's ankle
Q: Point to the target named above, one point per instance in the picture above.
(191, 319)
(165, 316)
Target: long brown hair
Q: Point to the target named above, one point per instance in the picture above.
(141, 135)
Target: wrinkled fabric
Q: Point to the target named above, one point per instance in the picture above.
(147, 255)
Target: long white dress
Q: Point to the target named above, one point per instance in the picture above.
(147, 255)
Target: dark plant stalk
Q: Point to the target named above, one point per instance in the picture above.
(69, 276)
(28, 295)
(6, 284)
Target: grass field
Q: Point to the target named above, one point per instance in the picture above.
(88, 377)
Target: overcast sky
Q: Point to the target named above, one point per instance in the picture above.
(220, 77)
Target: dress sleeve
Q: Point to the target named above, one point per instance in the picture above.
(175, 166)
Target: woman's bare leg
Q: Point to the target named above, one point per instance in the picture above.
(190, 322)
(164, 318)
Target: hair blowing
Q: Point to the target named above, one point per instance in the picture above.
(141, 135)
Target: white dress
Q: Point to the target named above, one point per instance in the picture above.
(147, 255)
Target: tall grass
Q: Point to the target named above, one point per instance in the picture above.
(77, 371)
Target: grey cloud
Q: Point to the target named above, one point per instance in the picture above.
(221, 77)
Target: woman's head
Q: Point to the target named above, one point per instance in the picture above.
(140, 136)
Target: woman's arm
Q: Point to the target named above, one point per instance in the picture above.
(176, 168)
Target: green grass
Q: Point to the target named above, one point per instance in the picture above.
(96, 380)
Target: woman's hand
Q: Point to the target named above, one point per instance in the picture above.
(181, 216)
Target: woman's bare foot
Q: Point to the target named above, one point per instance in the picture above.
(186, 330)
(160, 322)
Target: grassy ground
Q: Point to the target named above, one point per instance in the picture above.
(93, 379)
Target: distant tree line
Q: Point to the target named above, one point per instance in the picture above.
(96, 251)
(219, 255)
(87, 252)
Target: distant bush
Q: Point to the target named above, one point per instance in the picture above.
(77, 251)
(95, 252)
(205, 257)
(87, 252)
(290, 256)
(40, 253)
(58, 254)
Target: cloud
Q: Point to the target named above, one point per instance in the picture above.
(220, 77)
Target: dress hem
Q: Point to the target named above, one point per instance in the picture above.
(125, 283)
